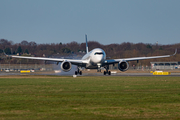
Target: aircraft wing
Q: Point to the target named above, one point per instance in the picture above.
(136, 58)
(73, 61)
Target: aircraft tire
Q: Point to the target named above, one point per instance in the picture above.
(76, 72)
(104, 72)
(109, 72)
(80, 72)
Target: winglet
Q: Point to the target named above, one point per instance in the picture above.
(86, 44)
(175, 52)
(6, 54)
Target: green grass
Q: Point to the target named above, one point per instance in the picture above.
(90, 98)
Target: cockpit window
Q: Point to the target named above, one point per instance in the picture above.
(98, 53)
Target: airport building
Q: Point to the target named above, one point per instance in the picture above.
(165, 65)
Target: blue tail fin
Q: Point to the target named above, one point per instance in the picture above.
(86, 44)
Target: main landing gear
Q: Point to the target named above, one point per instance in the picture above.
(107, 72)
(78, 71)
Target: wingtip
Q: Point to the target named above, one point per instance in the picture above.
(5, 54)
(175, 52)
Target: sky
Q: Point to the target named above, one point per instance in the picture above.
(104, 21)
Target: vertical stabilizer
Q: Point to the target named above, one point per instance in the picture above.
(86, 44)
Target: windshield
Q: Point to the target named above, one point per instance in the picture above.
(98, 53)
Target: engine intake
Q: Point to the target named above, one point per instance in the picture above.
(123, 66)
(66, 66)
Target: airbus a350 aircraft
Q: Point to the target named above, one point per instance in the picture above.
(95, 59)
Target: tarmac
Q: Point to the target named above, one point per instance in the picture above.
(89, 74)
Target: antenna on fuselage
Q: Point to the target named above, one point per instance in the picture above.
(86, 44)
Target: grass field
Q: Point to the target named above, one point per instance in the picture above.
(52, 97)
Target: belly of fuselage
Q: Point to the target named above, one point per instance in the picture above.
(92, 67)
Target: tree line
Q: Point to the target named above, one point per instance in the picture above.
(75, 49)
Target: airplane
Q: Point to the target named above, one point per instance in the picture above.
(95, 59)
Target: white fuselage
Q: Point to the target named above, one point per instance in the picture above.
(95, 57)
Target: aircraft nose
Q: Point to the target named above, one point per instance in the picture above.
(98, 59)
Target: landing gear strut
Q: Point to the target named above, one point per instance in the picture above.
(99, 68)
(107, 72)
(78, 71)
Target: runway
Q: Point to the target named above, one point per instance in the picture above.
(86, 74)
(129, 74)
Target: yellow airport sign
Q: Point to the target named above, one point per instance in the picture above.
(161, 73)
(25, 71)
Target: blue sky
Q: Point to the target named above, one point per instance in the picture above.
(104, 21)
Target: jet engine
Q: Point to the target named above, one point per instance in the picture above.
(66, 66)
(123, 66)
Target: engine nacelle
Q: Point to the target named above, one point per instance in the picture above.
(66, 66)
(123, 66)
